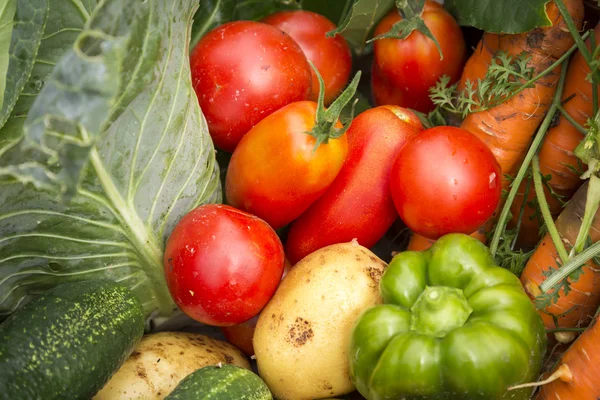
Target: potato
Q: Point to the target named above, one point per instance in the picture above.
(162, 360)
(303, 334)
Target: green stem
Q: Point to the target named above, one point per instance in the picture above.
(503, 219)
(568, 117)
(565, 330)
(327, 119)
(521, 212)
(570, 267)
(541, 197)
(575, 33)
(595, 83)
(591, 206)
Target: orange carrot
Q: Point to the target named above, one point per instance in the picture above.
(556, 153)
(576, 308)
(577, 376)
(509, 127)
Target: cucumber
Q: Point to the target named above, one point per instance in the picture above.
(67, 343)
(224, 382)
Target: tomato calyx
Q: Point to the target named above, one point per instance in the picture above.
(411, 12)
(326, 119)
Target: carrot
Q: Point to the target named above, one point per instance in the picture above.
(577, 307)
(556, 153)
(508, 128)
(577, 376)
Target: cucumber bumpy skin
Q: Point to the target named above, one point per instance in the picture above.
(221, 383)
(67, 343)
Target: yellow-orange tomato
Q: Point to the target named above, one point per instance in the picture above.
(275, 172)
(409, 67)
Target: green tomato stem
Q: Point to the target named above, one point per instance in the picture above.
(326, 119)
(503, 219)
(541, 197)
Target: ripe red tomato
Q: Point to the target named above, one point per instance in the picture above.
(275, 173)
(411, 66)
(222, 265)
(358, 204)
(242, 71)
(445, 180)
(330, 55)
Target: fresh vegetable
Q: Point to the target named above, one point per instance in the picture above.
(69, 341)
(223, 382)
(113, 152)
(302, 337)
(453, 326)
(289, 159)
(508, 127)
(445, 180)
(576, 306)
(330, 55)
(242, 71)
(420, 243)
(162, 360)
(222, 265)
(358, 204)
(241, 335)
(556, 153)
(412, 65)
(576, 376)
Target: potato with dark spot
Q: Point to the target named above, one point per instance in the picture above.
(305, 354)
(162, 360)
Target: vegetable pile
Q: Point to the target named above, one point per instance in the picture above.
(299, 199)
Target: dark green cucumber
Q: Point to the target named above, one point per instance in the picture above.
(68, 342)
(226, 382)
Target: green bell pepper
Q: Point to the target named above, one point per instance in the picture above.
(453, 326)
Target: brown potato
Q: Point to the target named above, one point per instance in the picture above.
(303, 334)
(162, 360)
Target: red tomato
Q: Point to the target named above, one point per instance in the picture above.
(330, 55)
(445, 180)
(241, 335)
(275, 173)
(242, 71)
(358, 204)
(412, 65)
(222, 265)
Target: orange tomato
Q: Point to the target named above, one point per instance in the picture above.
(275, 171)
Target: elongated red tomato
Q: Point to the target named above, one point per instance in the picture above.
(330, 55)
(358, 204)
(409, 67)
(242, 71)
(275, 173)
